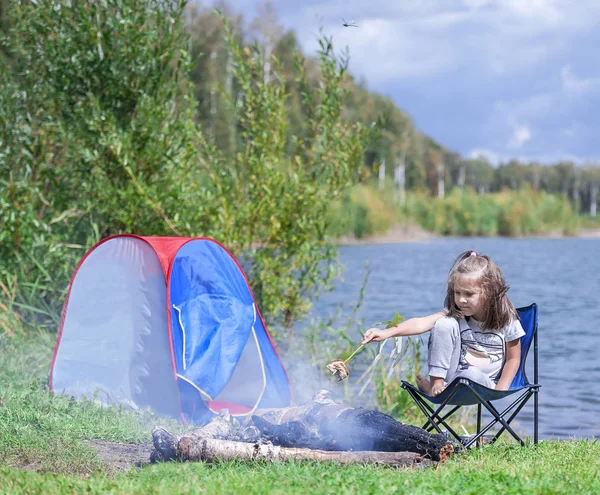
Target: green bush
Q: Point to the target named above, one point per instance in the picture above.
(97, 137)
(362, 211)
(272, 206)
(509, 213)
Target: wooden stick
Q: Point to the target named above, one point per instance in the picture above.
(354, 353)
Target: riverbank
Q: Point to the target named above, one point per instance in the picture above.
(398, 233)
(52, 444)
(591, 233)
(415, 233)
(367, 215)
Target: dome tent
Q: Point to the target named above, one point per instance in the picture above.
(167, 323)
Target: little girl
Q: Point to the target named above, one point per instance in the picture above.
(477, 336)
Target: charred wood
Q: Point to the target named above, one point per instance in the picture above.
(327, 425)
(319, 430)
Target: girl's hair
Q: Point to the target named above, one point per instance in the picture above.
(499, 310)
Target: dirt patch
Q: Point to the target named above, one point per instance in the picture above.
(415, 233)
(399, 233)
(595, 233)
(122, 456)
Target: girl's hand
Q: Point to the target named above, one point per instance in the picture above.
(374, 335)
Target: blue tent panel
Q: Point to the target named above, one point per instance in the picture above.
(223, 353)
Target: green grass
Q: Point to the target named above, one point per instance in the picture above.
(549, 468)
(41, 451)
(43, 432)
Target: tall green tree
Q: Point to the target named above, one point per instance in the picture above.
(272, 207)
(98, 136)
(215, 89)
(480, 174)
(589, 188)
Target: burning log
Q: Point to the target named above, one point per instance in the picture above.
(214, 450)
(325, 424)
(320, 430)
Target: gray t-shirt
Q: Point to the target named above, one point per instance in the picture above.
(486, 349)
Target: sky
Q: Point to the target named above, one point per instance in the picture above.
(499, 78)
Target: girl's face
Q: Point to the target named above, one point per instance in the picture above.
(468, 296)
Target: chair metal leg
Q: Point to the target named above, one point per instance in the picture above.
(446, 425)
(535, 416)
(490, 407)
(423, 407)
(478, 422)
(443, 404)
(437, 418)
(445, 416)
(433, 417)
(523, 400)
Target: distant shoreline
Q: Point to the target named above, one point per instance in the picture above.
(415, 233)
(399, 233)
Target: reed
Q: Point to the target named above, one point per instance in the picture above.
(367, 210)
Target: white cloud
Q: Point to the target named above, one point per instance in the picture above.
(383, 50)
(580, 130)
(527, 108)
(521, 134)
(503, 61)
(547, 11)
(537, 16)
(476, 4)
(510, 69)
(416, 38)
(576, 85)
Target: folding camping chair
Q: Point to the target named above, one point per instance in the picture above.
(462, 392)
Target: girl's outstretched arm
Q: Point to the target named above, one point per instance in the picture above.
(511, 365)
(412, 326)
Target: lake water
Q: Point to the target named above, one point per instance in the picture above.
(561, 275)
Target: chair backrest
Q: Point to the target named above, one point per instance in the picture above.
(529, 321)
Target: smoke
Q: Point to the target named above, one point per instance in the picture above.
(376, 366)
(308, 376)
(321, 340)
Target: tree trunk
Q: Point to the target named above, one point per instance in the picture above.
(382, 175)
(213, 94)
(440, 172)
(462, 176)
(593, 199)
(400, 179)
(576, 187)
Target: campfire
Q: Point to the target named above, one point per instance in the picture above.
(321, 430)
